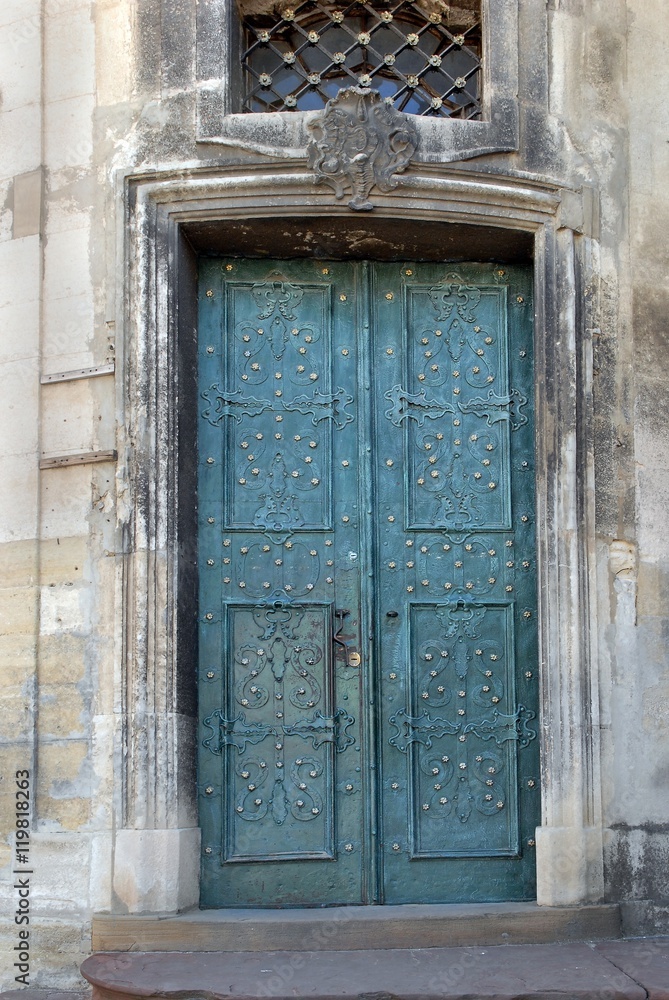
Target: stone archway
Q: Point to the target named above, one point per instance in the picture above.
(166, 217)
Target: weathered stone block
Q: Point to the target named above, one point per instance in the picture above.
(62, 658)
(18, 497)
(70, 53)
(19, 562)
(64, 784)
(156, 870)
(27, 204)
(62, 609)
(18, 610)
(63, 712)
(20, 149)
(66, 501)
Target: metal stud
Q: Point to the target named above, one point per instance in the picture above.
(396, 847)
(348, 847)
(395, 785)
(210, 460)
(210, 674)
(348, 788)
(393, 676)
(207, 850)
(208, 790)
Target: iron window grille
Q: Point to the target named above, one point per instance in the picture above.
(423, 56)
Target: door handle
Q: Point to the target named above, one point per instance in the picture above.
(351, 655)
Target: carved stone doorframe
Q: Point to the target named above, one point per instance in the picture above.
(157, 840)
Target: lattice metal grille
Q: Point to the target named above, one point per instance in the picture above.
(424, 57)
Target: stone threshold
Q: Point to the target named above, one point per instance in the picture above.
(616, 970)
(356, 928)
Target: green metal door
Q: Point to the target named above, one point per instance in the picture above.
(368, 649)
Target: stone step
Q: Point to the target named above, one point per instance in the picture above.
(614, 971)
(357, 927)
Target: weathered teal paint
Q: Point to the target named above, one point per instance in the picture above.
(368, 648)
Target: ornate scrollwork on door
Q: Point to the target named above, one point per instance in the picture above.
(460, 663)
(281, 663)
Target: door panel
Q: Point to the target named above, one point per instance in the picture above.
(365, 450)
(456, 574)
(281, 779)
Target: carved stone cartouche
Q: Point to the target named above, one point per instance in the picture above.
(358, 142)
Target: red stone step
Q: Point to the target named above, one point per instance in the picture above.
(612, 970)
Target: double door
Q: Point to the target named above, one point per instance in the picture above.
(368, 643)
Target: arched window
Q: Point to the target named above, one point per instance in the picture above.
(423, 56)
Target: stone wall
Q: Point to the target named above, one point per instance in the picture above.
(93, 93)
